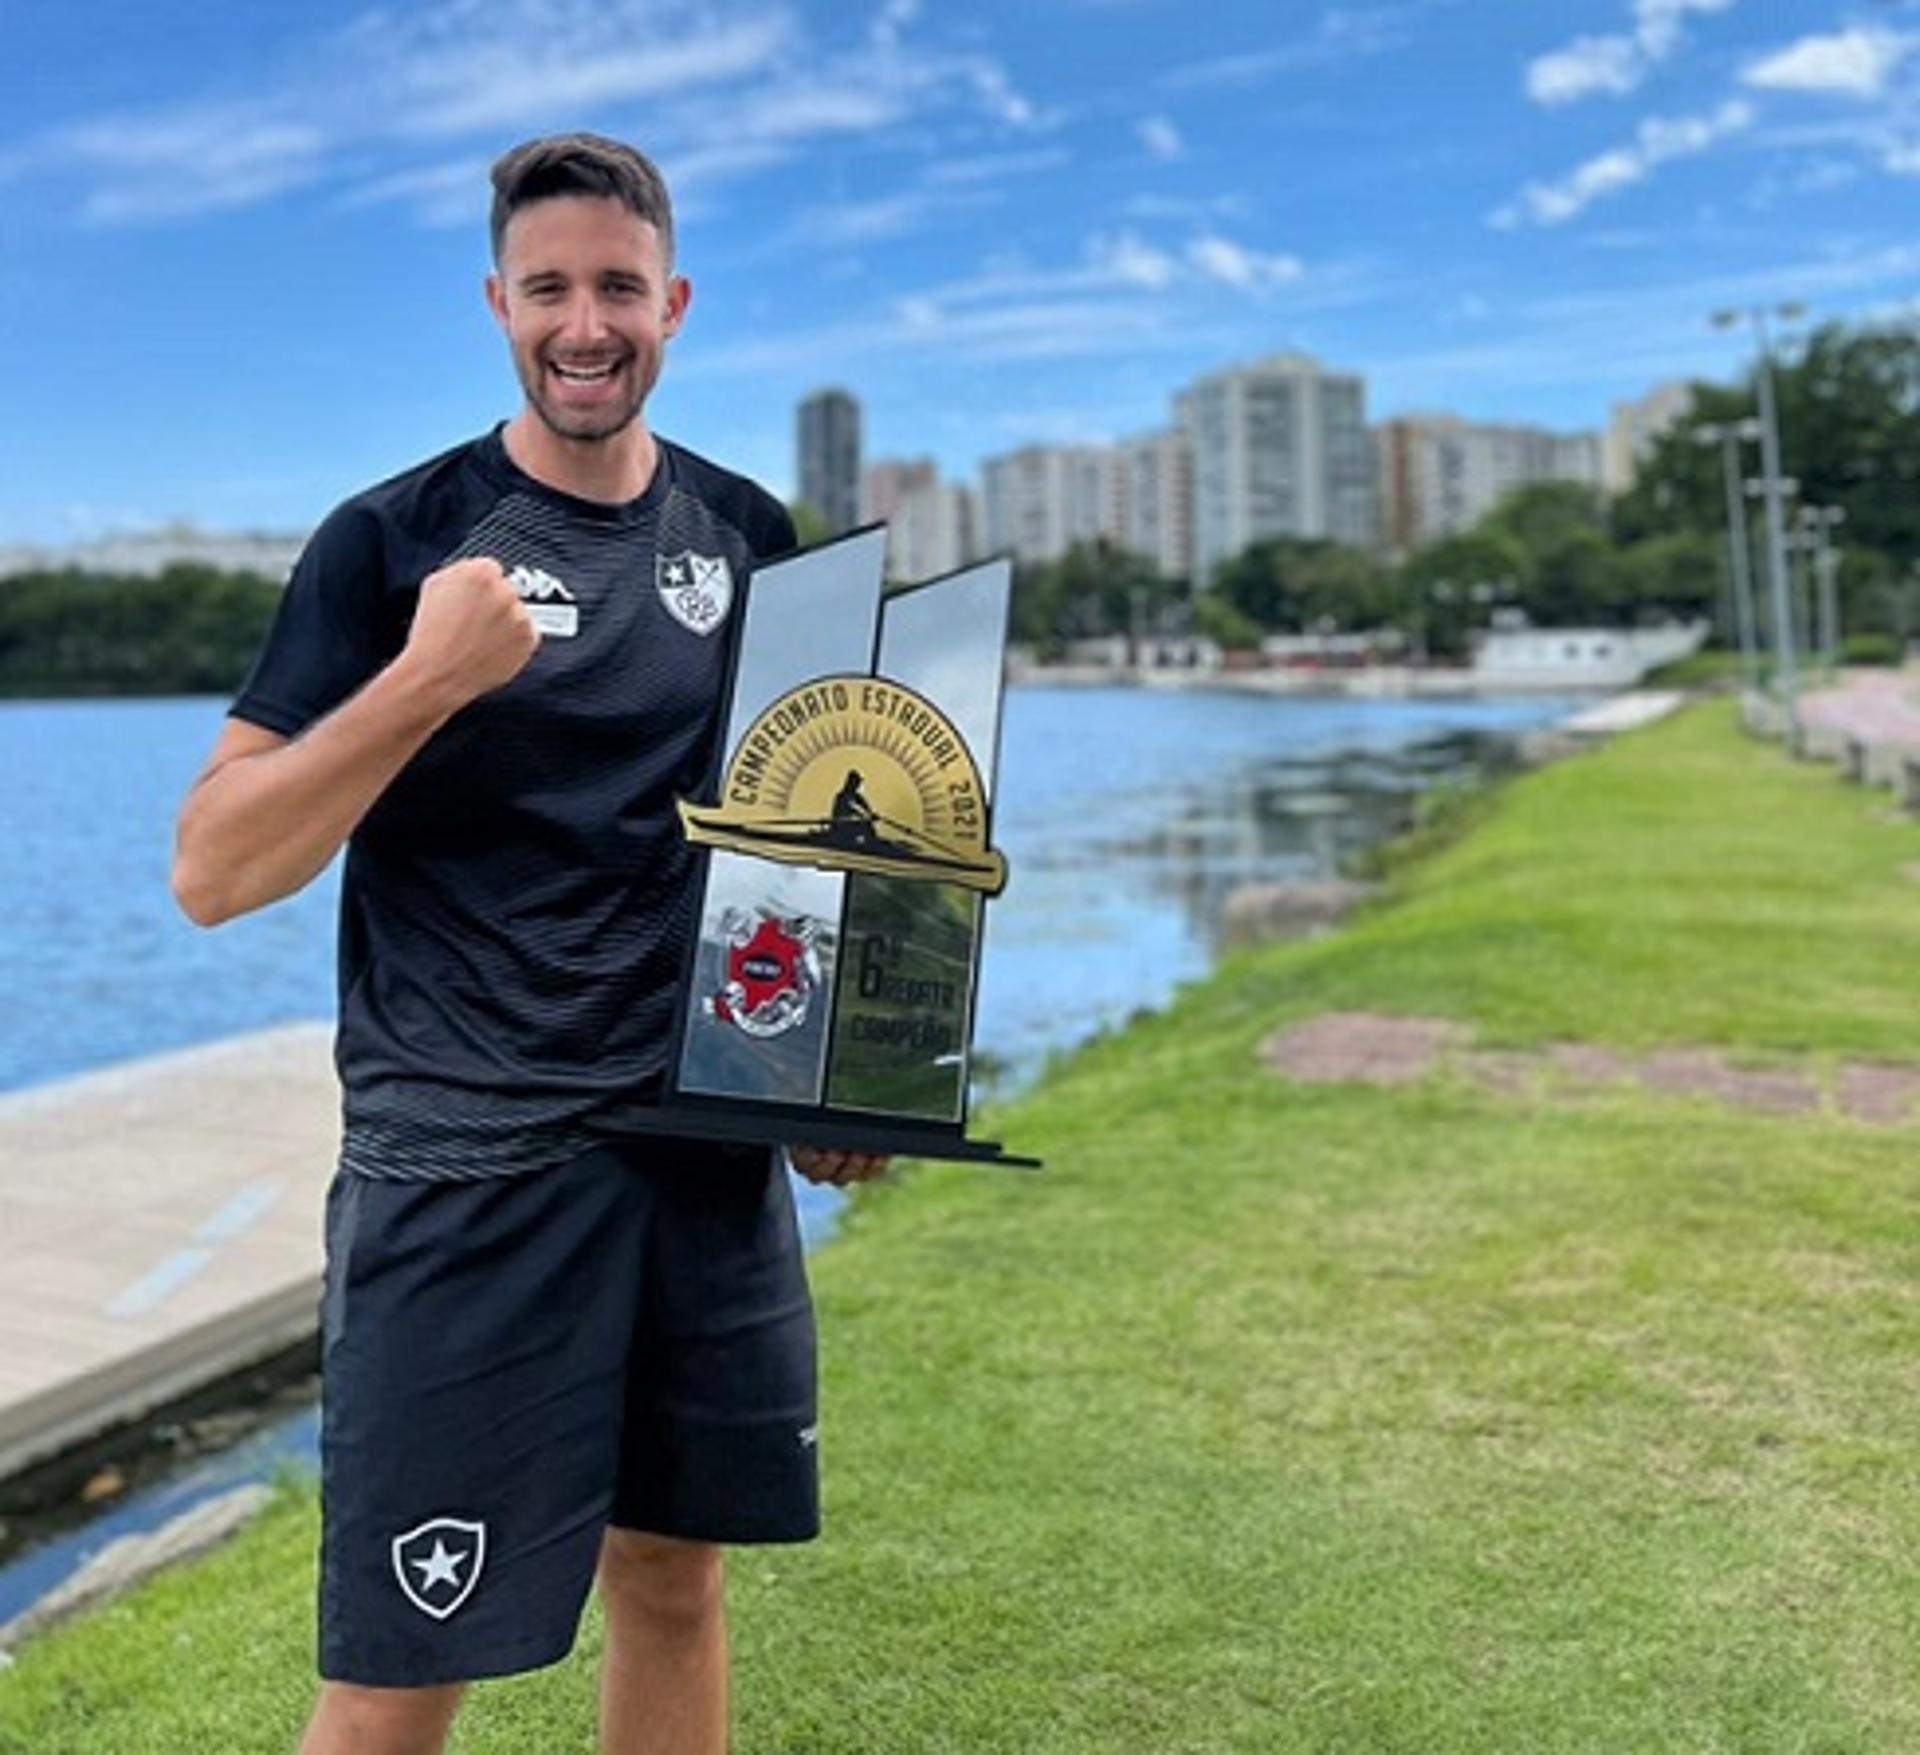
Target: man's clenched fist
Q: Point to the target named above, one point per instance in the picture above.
(471, 633)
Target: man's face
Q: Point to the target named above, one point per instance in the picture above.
(587, 306)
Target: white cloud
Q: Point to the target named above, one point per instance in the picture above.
(1130, 260)
(516, 77)
(1231, 264)
(1657, 22)
(1657, 141)
(1902, 160)
(918, 315)
(861, 222)
(448, 194)
(1160, 137)
(1810, 179)
(1849, 63)
(1199, 209)
(1587, 64)
(697, 168)
(1046, 328)
(1614, 64)
(1344, 33)
(1125, 261)
(1823, 174)
(178, 163)
(722, 93)
(990, 167)
(997, 93)
(893, 18)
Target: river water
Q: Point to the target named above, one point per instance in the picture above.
(1127, 817)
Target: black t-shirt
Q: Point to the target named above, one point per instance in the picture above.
(516, 907)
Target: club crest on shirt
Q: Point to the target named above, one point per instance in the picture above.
(438, 1563)
(696, 590)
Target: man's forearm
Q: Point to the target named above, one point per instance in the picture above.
(262, 825)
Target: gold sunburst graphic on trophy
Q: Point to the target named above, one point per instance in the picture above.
(855, 773)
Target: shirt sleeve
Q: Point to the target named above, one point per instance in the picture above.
(776, 534)
(325, 641)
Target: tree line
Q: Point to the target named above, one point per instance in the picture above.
(189, 630)
(1563, 553)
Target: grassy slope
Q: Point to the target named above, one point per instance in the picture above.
(1282, 1419)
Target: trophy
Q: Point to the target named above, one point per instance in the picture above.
(829, 995)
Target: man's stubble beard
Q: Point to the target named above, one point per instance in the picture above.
(609, 427)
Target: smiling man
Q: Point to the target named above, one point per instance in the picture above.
(550, 1354)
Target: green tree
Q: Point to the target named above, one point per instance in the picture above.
(189, 631)
(1217, 618)
(1451, 586)
(1849, 410)
(1292, 584)
(809, 526)
(1850, 431)
(1681, 575)
(1094, 589)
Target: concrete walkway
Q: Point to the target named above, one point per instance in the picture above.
(1876, 706)
(1626, 712)
(1869, 721)
(159, 1227)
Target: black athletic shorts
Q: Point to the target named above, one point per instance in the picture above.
(511, 1365)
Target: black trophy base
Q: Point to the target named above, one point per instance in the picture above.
(755, 1125)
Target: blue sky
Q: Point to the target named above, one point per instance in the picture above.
(241, 245)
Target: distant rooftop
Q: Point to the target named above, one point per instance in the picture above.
(147, 553)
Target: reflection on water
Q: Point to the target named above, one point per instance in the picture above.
(1129, 818)
(1299, 819)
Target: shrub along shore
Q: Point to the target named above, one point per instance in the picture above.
(1277, 1417)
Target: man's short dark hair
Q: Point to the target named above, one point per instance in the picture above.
(580, 164)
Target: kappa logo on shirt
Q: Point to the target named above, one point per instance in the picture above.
(696, 590)
(438, 1563)
(550, 605)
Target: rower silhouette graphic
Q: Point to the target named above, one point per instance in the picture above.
(853, 819)
(852, 827)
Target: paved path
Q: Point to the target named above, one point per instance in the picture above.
(1876, 706)
(1380, 1048)
(159, 1227)
(1626, 712)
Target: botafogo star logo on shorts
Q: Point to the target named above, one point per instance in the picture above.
(438, 1563)
(696, 590)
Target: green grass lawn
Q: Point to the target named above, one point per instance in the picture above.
(1275, 1418)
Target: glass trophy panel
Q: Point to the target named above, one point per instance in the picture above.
(947, 640)
(904, 998)
(903, 1012)
(809, 616)
(757, 1021)
(763, 981)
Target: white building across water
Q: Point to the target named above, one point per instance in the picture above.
(1280, 448)
(1440, 475)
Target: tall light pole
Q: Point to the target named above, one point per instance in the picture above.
(1787, 487)
(1826, 567)
(1801, 543)
(1728, 435)
(1784, 677)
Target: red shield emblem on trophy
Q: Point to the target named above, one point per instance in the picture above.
(772, 972)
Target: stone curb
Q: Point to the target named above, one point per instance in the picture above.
(122, 1564)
